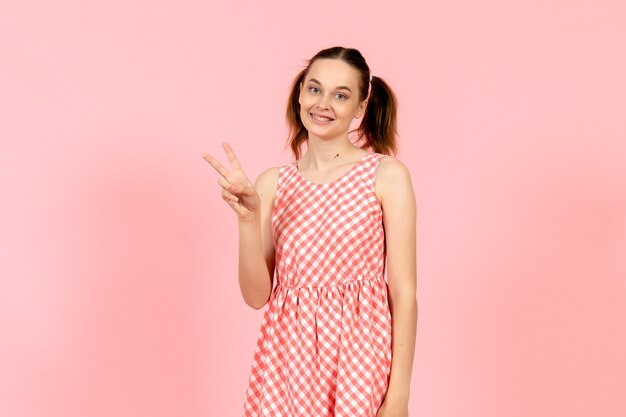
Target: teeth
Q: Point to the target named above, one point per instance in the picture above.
(321, 118)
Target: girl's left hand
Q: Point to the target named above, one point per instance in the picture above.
(393, 409)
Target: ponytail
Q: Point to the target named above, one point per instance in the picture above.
(378, 125)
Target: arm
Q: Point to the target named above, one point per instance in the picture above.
(399, 219)
(256, 245)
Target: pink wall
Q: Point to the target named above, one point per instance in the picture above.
(118, 279)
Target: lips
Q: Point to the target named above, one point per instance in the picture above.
(321, 117)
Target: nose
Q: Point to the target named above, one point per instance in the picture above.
(322, 102)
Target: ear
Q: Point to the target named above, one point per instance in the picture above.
(361, 110)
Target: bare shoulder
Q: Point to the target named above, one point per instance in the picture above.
(266, 183)
(392, 175)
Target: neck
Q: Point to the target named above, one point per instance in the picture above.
(320, 155)
(322, 150)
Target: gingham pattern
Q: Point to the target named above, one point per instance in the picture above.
(324, 347)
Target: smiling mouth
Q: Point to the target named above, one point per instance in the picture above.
(321, 118)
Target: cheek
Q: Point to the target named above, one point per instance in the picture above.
(344, 113)
(304, 100)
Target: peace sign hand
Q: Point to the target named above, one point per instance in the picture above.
(238, 191)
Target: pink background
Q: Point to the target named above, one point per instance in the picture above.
(118, 280)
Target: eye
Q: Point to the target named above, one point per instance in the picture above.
(344, 97)
(311, 88)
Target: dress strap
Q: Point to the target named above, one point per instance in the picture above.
(283, 181)
(374, 163)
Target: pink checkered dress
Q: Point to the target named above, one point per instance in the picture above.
(324, 347)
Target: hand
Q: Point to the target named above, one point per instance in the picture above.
(393, 409)
(238, 191)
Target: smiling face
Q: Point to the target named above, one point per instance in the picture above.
(329, 98)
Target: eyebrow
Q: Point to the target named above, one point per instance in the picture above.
(343, 87)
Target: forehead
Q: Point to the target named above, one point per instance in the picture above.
(333, 72)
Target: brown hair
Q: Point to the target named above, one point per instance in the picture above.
(378, 124)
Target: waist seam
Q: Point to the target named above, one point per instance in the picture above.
(374, 278)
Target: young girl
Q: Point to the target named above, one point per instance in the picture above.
(326, 225)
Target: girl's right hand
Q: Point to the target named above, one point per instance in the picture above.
(238, 191)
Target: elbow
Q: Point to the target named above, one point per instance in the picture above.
(254, 306)
(257, 304)
(256, 297)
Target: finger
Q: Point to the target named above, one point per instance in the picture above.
(229, 200)
(215, 164)
(236, 206)
(229, 196)
(233, 188)
(234, 162)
